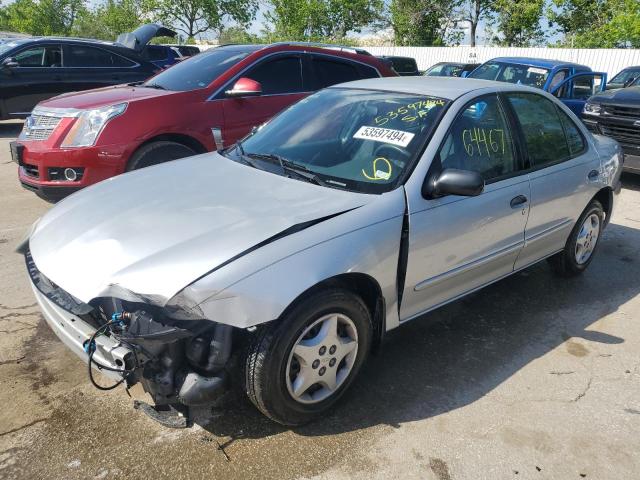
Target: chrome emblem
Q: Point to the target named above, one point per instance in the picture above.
(636, 123)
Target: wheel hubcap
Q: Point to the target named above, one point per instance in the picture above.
(587, 238)
(322, 358)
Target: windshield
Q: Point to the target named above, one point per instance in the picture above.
(360, 140)
(512, 73)
(198, 71)
(7, 45)
(624, 76)
(445, 70)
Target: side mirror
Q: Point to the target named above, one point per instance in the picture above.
(629, 81)
(452, 181)
(245, 87)
(9, 63)
(465, 74)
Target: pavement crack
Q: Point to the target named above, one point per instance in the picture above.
(20, 307)
(7, 316)
(568, 372)
(15, 360)
(584, 392)
(17, 429)
(18, 329)
(224, 452)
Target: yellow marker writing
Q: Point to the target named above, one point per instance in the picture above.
(379, 174)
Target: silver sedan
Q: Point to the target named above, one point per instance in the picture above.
(279, 263)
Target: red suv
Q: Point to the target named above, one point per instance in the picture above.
(201, 104)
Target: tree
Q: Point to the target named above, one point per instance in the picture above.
(41, 17)
(328, 20)
(237, 34)
(519, 22)
(109, 19)
(193, 17)
(471, 12)
(598, 23)
(421, 22)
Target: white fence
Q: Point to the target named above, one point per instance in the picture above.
(600, 60)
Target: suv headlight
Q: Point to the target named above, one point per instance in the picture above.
(89, 124)
(592, 108)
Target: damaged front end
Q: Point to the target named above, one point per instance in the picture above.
(177, 361)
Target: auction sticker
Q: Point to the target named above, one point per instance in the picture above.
(386, 135)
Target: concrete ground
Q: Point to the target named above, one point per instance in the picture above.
(535, 377)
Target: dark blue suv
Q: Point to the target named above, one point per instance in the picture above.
(570, 82)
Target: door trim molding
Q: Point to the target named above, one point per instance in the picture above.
(469, 266)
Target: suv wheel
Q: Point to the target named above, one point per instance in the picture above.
(158, 152)
(581, 245)
(298, 367)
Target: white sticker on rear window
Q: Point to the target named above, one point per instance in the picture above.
(386, 135)
(539, 71)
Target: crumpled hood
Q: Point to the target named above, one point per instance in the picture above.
(156, 230)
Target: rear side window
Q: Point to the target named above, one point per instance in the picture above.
(404, 65)
(480, 141)
(41, 56)
(575, 140)
(542, 128)
(331, 72)
(279, 76)
(84, 56)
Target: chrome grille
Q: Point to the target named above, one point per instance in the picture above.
(623, 134)
(620, 111)
(31, 170)
(39, 127)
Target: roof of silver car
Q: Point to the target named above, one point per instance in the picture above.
(443, 87)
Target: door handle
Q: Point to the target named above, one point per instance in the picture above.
(518, 201)
(593, 175)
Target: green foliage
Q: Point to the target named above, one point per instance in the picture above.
(320, 20)
(420, 22)
(41, 17)
(237, 34)
(109, 20)
(193, 17)
(519, 23)
(598, 23)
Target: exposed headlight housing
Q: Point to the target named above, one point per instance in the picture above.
(592, 108)
(89, 124)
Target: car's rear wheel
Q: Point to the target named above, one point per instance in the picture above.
(158, 152)
(582, 243)
(298, 367)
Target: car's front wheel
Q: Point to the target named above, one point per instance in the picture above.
(581, 245)
(155, 153)
(299, 366)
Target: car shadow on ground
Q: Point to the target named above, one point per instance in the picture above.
(631, 181)
(10, 128)
(459, 353)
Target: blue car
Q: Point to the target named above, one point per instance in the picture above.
(570, 82)
(161, 55)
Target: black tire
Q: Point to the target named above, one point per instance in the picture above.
(158, 152)
(268, 355)
(565, 263)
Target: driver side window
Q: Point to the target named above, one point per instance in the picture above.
(479, 140)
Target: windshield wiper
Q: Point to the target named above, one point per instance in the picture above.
(289, 166)
(154, 85)
(244, 157)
